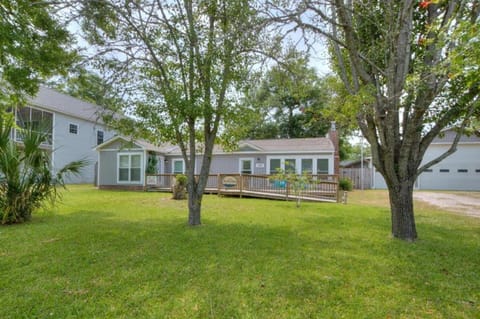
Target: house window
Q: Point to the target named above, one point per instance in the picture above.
(73, 128)
(37, 120)
(462, 170)
(477, 171)
(444, 170)
(307, 166)
(99, 137)
(178, 166)
(322, 166)
(246, 166)
(428, 170)
(275, 165)
(290, 165)
(129, 168)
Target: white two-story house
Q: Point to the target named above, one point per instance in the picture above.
(75, 129)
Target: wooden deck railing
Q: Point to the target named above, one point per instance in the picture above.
(319, 187)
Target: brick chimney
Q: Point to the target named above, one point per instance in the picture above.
(333, 136)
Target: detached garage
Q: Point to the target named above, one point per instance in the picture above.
(459, 171)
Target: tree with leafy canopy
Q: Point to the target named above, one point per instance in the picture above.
(33, 46)
(289, 100)
(181, 64)
(411, 68)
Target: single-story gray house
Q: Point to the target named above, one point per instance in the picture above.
(123, 163)
(459, 171)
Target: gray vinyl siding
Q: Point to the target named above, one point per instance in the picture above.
(223, 163)
(230, 163)
(260, 164)
(69, 147)
(227, 164)
(108, 168)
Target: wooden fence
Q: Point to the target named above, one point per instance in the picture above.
(318, 188)
(360, 181)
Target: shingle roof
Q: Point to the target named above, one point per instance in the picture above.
(56, 101)
(164, 148)
(293, 145)
(447, 136)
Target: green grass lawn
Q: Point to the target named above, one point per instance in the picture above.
(105, 254)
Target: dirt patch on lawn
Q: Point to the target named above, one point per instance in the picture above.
(461, 204)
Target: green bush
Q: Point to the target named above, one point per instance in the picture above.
(180, 187)
(345, 184)
(181, 179)
(152, 162)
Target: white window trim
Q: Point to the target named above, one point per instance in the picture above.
(142, 168)
(78, 128)
(178, 160)
(274, 157)
(52, 159)
(330, 166)
(244, 159)
(306, 158)
(298, 162)
(31, 107)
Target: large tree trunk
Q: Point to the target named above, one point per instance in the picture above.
(194, 207)
(196, 185)
(401, 206)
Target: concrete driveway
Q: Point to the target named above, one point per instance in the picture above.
(465, 205)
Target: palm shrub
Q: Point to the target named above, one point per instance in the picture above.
(26, 179)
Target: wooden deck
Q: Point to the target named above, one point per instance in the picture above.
(320, 188)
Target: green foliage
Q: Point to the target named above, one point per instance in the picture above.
(88, 86)
(293, 181)
(181, 179)
(355, 152)
(409, 70)
(152, 163)
(27, 181)
(289, 100)
(345, 184)
(180, 187)
(178, 65)
(32, 47)
(343, 106)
